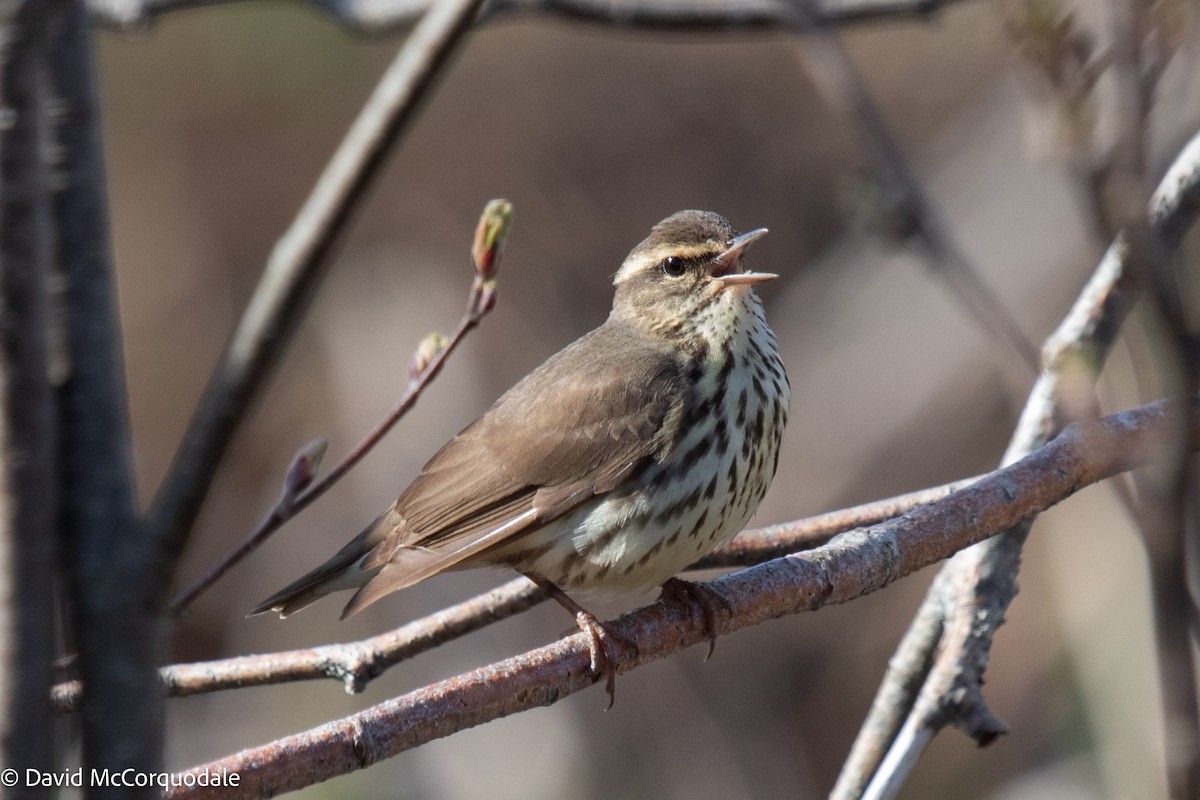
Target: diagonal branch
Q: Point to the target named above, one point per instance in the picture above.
(934, 694)
(293, 271)
(853, 565)
(913, 214)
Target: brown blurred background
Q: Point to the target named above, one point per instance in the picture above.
(217, 123)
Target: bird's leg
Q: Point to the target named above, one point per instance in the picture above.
(711, 603)
(600, 638)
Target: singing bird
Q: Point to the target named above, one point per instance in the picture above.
(618, 462)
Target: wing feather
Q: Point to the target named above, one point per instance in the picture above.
(574, 428)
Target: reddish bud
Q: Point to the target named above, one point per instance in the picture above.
(303, 470)
(490, 236)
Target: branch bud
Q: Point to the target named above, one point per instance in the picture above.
(490, 236)
(303, 470)
(426, 351)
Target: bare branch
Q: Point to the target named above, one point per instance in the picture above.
(294, 270)
(951, 687)
(855, 564)
(354, 664)
(383, 16)
(106, 554)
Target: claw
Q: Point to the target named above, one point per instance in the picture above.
(711, 603)
(601, 639)
(604, 661)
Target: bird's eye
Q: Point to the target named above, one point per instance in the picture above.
(674, 266)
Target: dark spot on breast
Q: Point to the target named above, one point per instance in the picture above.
(690, 500)
(699, 411)
(604, 539)
(674, 537)
(726, 365)
(710, 491)
(698, 528)
(651, 553)
(722, 436)
(743, 397)
(692, 457)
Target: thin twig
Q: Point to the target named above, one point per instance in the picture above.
(850, 567)
(295, 268)
(383, 16)
(951, 684)
(355, 663)
(478, 304)
(913, 213)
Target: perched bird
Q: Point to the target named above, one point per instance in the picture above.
(618, 462)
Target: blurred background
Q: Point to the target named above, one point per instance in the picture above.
(217, 123)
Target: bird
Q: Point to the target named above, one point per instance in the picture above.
(624, 457)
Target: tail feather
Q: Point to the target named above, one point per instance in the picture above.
(343, 571)
(323, 580)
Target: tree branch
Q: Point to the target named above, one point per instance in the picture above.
(851, 566)
(293, 271)
(29, 489)
(951, 685)
(106, 553)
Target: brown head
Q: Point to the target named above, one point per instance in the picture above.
(687, 273)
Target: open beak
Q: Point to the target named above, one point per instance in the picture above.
(723, 266)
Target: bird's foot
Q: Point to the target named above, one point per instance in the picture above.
(602, 644)
(710, 602)
(602, 640)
